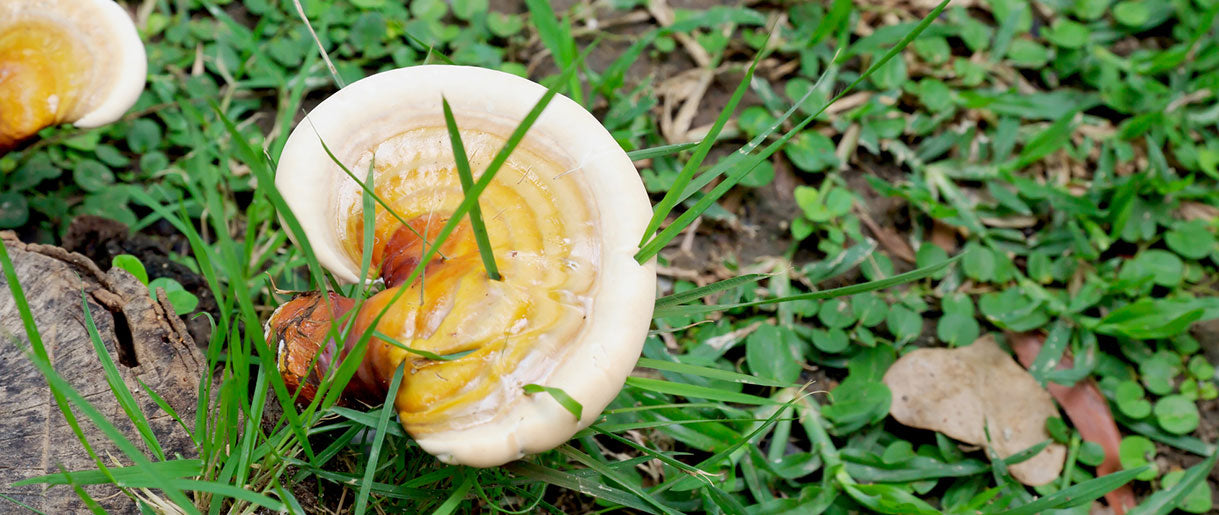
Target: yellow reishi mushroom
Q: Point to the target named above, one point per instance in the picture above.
(565, 215)
(65, 61)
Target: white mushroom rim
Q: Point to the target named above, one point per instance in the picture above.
(77, 61)
(565, 215)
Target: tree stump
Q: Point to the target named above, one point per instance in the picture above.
(142, 335)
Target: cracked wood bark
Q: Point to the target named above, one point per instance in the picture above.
(147, 342)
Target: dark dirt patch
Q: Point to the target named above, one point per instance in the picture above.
(101, 239)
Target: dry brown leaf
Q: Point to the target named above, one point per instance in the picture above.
(1009, 222)
(1191, 210)
(1088, 411)
(968, 392)
(944, 236)
(887, 236)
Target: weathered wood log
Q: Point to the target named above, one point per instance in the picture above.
(143, 336)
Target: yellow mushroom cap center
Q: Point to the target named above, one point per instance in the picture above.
(44, 71)
(513, 331)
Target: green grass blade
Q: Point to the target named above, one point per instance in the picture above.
(84, 496)
(131, 476)
(580, 484)
(369, 212)
(661, 151)
(252, 430)
(230, 491)
(613, 475)
(369, 419)
(459, 494)
(375, 454)
(695, 391)
(652, 424)
(1078, 495)
(431, 52)
(160, 402)
(723, 454)
(21, 504)
(668, 460)
(703, 291)
(666, 204)
(568, 402)
(677, 405)
(467, 182)
(1164, 501)
(422, 353)
(708, 372)
(913, 275)
(240, 289)
(121, 394)
(558, 39)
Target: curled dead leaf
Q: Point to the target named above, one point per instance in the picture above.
(971, 391)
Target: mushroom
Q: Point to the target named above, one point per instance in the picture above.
(65, 61)
(565, 215)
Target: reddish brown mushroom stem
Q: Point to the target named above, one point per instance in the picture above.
(300, 331)
(1088, 411)
(301, 328)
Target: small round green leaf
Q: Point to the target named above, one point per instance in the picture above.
(932, 49)
(811, 151)
(14, 210)
(978, 262)
(1130, 400)
(1136, 451)
(904, 324)
(1201, 369)
(504, 25)
(1058, 429)
(929, 254)
(1067, 34)
(836, 313)
(832, 341)
(957, 303)
(1091, 454)
(899, 451)
(466, 9)
(755, 120)
(1192, 240)
(1157, 374)
(869, 308)
(143, 136)
(92, 176)
(1177, 414)
(1027, 54)
(429, 9)
(1132, 13)
(957, 330)
(132, 265)
(184, 302)
(772, 354)
(1164, 267)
